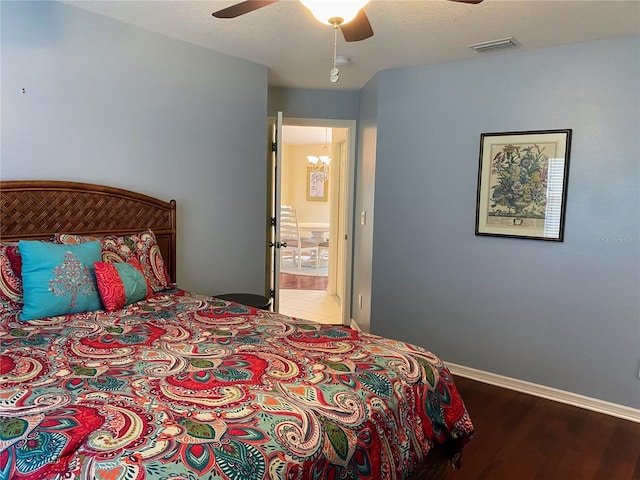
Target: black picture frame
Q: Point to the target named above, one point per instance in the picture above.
(522, 184)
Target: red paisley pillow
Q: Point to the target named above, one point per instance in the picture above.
(70, 239)
(10, 277)
(113, 248)
(148, 253)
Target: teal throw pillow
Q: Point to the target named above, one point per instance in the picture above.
(58, 279)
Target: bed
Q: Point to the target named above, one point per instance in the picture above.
(185, 386)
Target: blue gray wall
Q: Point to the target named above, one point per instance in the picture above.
(109, 103)
(364, 205)
(565, 315)
(308, 103)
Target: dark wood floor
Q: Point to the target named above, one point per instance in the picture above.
(521, 437)
(302, 282)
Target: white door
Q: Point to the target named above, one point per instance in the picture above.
(342, 233)
(275, 194)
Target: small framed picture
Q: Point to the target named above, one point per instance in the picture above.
(317, 185)
(522, 184)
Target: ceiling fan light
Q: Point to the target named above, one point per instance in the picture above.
(325, 10)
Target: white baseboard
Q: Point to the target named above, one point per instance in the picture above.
(354, 326)
(549, 393)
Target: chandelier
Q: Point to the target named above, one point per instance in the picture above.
(320, 163)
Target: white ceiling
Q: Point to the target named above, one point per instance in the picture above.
(303, 135)
(298, 50)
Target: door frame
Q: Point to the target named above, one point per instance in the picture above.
(350, 126)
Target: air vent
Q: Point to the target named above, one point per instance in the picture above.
(492, 45)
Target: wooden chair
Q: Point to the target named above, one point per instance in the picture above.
(297, 248)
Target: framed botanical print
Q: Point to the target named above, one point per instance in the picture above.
(522, 184)
(317, 185)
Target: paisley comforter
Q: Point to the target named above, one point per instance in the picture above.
(183, 386)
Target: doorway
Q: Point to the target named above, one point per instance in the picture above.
(315, 284)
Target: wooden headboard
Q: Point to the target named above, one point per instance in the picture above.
(36, 209)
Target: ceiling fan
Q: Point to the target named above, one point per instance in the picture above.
(353, 22)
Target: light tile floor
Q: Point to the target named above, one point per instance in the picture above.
(315, 305)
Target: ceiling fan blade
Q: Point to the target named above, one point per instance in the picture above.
(241, 8)
(467, 1)
(357, 29)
